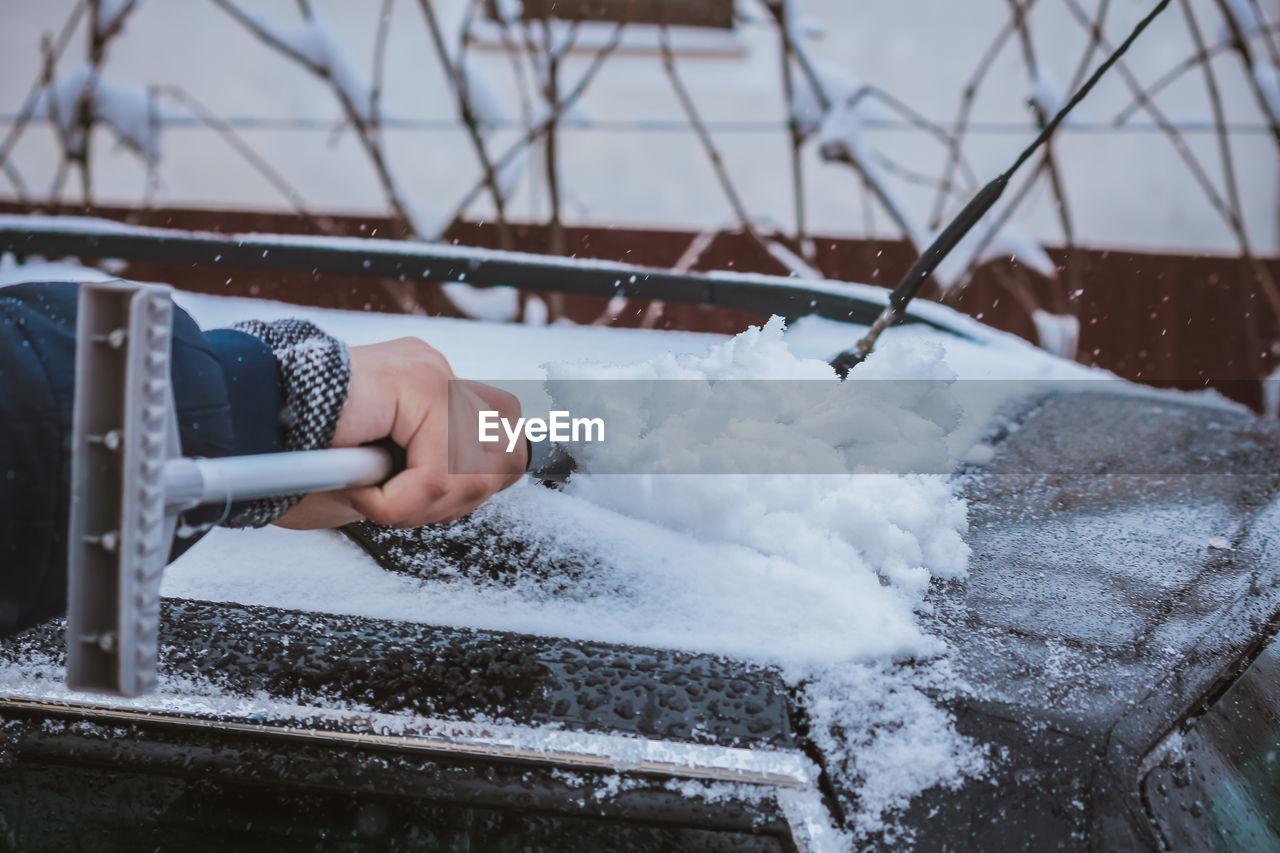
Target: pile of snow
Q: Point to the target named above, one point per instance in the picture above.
(903, 529)
(836, 86)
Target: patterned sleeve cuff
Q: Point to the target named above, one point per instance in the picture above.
(314, 373)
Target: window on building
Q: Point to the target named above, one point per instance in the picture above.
(716, 14)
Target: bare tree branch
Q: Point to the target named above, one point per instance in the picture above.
(1241, 44)
(704, 136)
(536, 132)
(1261, 272)
(354, 115)
(228, 134)
(49, 56)
(1019, 15)
(379, 66)
(967, 98)
(455, 74)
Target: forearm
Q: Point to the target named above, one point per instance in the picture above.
(312, 374)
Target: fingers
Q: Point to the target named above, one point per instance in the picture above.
(468, 399)
(418, 497)
(405, 389)
(428, 491)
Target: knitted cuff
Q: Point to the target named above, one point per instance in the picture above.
(315, 373)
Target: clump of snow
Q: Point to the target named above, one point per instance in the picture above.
(495, 304)
(1245, 16)
(887, 739)
(1267, 76)
(127, 110)
(509, 11)
(429, 221)
(536, 313)
(1058, 333)
(905, 530)
(112, 12)
(750, 11)
(835, 87)
(482, 95)
(1271, 394)
(1047, 92)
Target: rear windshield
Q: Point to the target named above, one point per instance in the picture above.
(1218, 785)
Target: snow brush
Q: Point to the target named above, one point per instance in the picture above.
(130, 484)
(973, 212)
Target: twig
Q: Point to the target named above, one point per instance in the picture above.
(1266, 32)
(454, 72)
(1228, 165)
(1171, 76)
(1184, 152)
(551, 94)
(967, 98)
(49, 56)
(1157, 115)
(228, 134)
(535, 132)
(843, 154)
(917, 120)
(1090, 48)
(379, 66)
(15, 179)
(704, 136)
(795, 131)
(515, 56)
(1019, 17)
(364, 131)
(1241, 45)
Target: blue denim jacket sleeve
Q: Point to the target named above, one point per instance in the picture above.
(228, 398)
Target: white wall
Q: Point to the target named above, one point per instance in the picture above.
(1125, 189)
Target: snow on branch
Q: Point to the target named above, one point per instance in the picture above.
(111, 14)
(127, 110)
(310, 42)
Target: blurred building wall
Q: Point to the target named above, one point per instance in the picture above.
(1125, 189)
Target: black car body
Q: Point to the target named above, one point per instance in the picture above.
(1115, 633)
(1115, 637)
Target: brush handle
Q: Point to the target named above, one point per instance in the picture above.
(197, 482)
(945, 242)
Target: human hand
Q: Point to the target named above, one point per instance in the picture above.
(401, 389)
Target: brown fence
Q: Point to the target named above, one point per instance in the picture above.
(1180, 320)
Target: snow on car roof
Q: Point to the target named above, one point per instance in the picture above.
(790, 571)
(820, 576)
